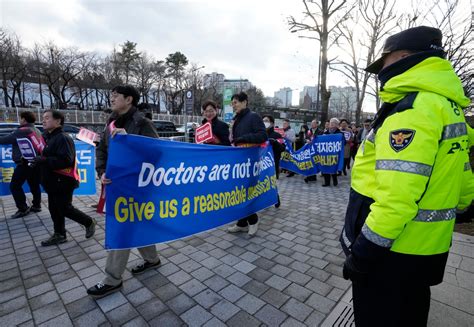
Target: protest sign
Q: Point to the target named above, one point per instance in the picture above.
(324, 154)
(87, 136)
(203, 133)
(164, 190)
(85, 157)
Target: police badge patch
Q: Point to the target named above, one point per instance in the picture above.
(401, 138)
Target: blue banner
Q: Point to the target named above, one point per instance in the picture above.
(163, 190)
(85, 155)
(324, 154)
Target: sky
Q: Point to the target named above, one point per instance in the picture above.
(246, 39)
(241, 39)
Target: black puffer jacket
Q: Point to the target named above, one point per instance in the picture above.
(134, 122)
(60, 153)
(20, 132)
(248, 128)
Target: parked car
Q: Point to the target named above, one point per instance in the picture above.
(166, 128)
(7, 128)
(189, 125)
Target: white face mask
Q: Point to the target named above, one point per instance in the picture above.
(267, 124)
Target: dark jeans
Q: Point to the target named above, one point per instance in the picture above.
(347, 163)
(21, 174)
(250, 220)
(60, 206)
(327, 178)
(392, 303)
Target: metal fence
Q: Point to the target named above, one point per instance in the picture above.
(79, 117)
(95, 120)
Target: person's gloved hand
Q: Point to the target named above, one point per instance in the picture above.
(355, 271)
(38, 160)
(238, 140)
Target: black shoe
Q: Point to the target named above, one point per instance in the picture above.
(277, 205)
(55, 239)
(290, 174)
(35, 208)
(306, 180)
(324, 185)
(100, 289)
(91, 229)
(141, 268)
(21, 213)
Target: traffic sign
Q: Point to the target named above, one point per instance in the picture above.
(189, 102)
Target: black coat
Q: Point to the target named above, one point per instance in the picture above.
(59, 153)
(134, 122)
(219, 130)
(248, 128)
(277, 147)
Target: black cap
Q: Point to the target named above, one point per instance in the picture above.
(421, 38)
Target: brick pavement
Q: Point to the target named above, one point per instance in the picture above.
(288, 275)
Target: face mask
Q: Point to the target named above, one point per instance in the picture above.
(267, 124)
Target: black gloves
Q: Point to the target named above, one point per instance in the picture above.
(355, 270)
(38, 160)
(238, 140)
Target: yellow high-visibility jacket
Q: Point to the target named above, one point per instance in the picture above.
(415, 165)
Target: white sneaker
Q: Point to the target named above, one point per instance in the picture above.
(236, 229)
(253, 229)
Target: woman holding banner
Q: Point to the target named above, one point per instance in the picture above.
(220, 130)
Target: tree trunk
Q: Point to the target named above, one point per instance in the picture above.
(325, 94)
(20, 99)
(23, 93)
(5, 91)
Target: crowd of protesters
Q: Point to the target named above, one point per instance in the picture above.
(54, 166)
(391, 257)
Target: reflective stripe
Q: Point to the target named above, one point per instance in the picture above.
(429, 216)
(467, 166)
(404, 166)
(346, 239)
(376, 238)
(371, 136)
(454, 130)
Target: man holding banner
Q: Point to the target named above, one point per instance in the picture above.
(125, 119)
(248, 129)
(23, 172)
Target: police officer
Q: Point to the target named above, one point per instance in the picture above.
(407, 183)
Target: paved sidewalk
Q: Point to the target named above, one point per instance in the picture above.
(288, 275)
